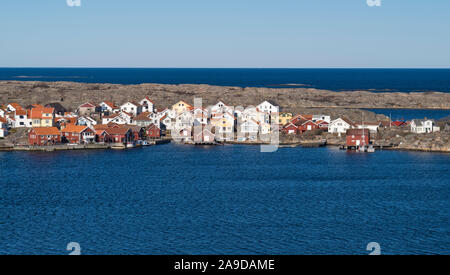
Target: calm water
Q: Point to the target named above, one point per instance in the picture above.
(230, 199)
(408, 114)
(405, 80)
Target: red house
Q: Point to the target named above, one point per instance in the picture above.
(44, 136)
(323, 125)
(308, 126)
(120, 135)
(76, 134)
(290, 128)
(358, 137)
(153, 131)
(101, 136)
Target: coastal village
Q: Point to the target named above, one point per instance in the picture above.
(131, 124)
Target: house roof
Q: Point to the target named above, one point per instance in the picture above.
(117, 131)
(302, 117)
(185, 103)
(16, 106)
(398, 123)
(101, 127)
(143, 116)
(46, 131)
(111, 104)
(38, 113)
(348, 121)
(421, 121)
(152, 126)
(21, 112)
(134, 128)
(71, 128)
(111, 116)
(87, 105)
(3, 120)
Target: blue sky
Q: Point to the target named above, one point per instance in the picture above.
(225, 33)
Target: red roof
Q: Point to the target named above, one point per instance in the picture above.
(117, 131)
(71, 128)
(16, 106)
(46, 131)
(87, 105)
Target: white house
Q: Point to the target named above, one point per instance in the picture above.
(147, 105)
(109, 106)
(200, 115)
(340, 125)
(131, 107)
(371, 126)
(268, 107)
(155, 119)
(117, 118)
(3, 127)
(21, 119)
(184, 120)
(254, 113)
(167, 122)
(221, 107)
(249, 127)
(86, 121)
(2, 112)
(420, 126)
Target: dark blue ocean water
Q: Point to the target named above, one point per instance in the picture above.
(404, 80)
(224, 200)
(408, 114)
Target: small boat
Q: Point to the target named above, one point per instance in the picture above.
(118, 146)
(371, 149)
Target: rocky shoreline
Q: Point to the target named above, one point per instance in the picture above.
(297, 100)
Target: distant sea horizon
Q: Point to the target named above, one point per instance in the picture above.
(345, 79)
(375, 80)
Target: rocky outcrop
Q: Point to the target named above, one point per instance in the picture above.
(70, 94)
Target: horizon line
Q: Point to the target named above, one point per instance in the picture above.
(234, 68)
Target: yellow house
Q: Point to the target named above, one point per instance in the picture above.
(181, 106)
(284, 118)
(42, 117)
(224, 126)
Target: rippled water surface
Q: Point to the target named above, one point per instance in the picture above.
(224, 200)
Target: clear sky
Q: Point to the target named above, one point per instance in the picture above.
(225, 33)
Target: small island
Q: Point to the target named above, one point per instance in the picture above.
(69, 115)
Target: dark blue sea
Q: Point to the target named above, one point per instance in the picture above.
(378, 80)
(174, 199)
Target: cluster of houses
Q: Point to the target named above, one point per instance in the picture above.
(133, 121)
